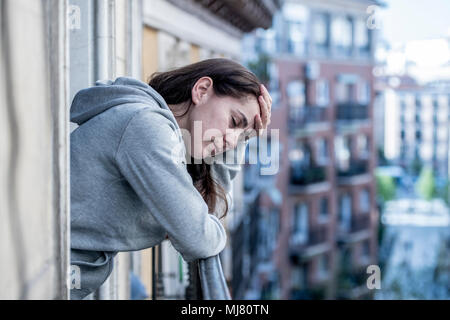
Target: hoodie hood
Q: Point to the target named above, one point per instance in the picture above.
(90, 102)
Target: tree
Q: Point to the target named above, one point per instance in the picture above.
(426, 185)
(386, 188)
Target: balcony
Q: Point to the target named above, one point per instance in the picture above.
(307, 116)
(360, 222)
(303, 176)
(354, 168)
(352, 112)
(315, 243)
(358, 229)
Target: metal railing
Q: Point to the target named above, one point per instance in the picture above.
(356, 167)
(212, 279)
(307, 115)
(206, 281)
(302, 176)
(316, 235)
(352, 111)
(360, 222)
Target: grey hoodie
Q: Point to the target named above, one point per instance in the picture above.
(127, 192)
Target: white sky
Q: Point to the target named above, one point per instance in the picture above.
(407, 20)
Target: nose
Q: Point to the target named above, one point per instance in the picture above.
(230, 141)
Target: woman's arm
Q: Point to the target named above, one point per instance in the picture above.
(146, 159)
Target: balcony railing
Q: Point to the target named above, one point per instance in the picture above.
(352, 111)
(206, 281)
(355, 167)
(307, 115)
(317, 235)
(303, 176)
(360, 222)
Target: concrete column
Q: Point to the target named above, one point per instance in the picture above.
(34, 233)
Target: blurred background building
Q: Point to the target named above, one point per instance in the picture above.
(320, 73)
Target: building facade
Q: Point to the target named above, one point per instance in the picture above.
(320, 74)
(417, 123)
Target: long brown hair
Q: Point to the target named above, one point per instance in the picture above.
(229, 79)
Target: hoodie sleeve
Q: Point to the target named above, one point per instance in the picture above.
(150, 157)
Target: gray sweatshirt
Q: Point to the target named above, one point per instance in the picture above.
(127, 191)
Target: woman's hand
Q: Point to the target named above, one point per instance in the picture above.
(262, 121)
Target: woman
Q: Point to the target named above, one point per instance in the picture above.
(147, 162)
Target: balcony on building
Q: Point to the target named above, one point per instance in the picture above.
(355, 167)
(307, 244)
(307, 119)
(358, 229)
(352, 111)
(355, 172)
(304, 179)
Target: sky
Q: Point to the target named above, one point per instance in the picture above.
(407, 20)
(416, 30)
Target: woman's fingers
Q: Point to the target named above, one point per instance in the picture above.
(264, 111)
(262, 120)
(267, 97)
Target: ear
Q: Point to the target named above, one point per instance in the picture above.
(202, 90)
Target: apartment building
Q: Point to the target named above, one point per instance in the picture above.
(417, 123)
(320, 71)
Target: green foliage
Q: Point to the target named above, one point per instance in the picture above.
(426, 185)
(260, 67)
(386, 188)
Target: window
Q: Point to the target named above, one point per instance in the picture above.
(296, 97)
(297, 38)
(363, 146)
(344, 92)
(365, 252)
(300, 224)
(322, 151)
(274, 85)
(299, 277)
(364, 201)
(341, 34)
(266, 41)
(345, 212)
(322, 93)
(296, 16)
(323, 266)
(321, 33)
(364, 92)
(342, 152)
(300, 154)
(323, 209)
(361, 36)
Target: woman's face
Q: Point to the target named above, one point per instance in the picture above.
(217, 123)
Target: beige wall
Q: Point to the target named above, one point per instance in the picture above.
(33, 151)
